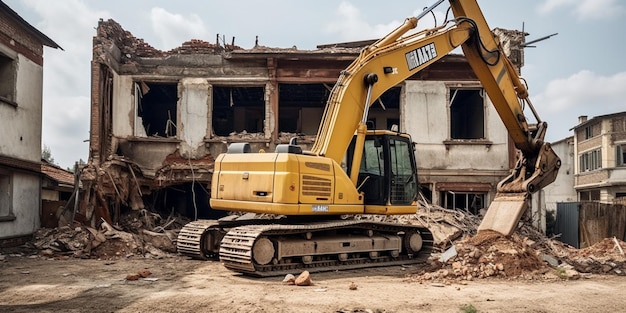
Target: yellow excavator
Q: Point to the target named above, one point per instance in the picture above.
(311, 190)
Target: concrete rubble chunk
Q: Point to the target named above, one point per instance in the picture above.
(144, 272)
(448, 254)
(550, 259)
(304, 279)
(133, 276)
(353, 286)
(289, 279)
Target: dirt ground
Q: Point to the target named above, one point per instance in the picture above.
(37, 283)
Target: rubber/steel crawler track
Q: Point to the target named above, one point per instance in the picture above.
(237, 249)
(192, 239)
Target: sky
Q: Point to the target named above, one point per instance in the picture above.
(580, 71)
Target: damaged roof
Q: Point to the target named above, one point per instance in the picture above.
(57, 174)
(45, 40)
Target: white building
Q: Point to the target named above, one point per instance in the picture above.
(21, 79)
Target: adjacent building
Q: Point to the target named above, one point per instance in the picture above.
(21, 79)
(600, 158)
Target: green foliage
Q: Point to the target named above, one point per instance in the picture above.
(80, 163)
(560, 272)
(46, 154)
(468, 308)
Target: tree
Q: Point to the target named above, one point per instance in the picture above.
(79, 163)
(46, 154)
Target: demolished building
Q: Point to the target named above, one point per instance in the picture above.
(160, 118)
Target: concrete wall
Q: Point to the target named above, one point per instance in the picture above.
(20, 139)
(21, 125)
(425, 115)
(25, 204)
(193, 114)
(561, 190)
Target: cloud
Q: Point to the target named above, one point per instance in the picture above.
(583, 93)
(550, 5)
(598, 9)
(66, 91)
(350, 25)
(584, 10)
(174, 29)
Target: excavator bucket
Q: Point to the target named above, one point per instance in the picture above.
(504, 213)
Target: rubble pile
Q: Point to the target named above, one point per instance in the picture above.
(463, 255)
(446, 225)
(140, 233)
(487, 254)
(528, 253)
(605, 257)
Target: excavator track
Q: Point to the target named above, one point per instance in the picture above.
(192, 239)
(201, 239)
(278, 249)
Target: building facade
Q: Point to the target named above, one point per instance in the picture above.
(600, 158)
(160, 118)
(21, 80)
(545, 201)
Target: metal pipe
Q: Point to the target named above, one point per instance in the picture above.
(430, 8)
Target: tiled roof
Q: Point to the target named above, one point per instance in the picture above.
(57, 173)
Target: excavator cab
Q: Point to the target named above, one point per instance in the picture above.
(387, 173)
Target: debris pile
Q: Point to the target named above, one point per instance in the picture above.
(140, 233)
(604, 257)
(487, 254)
(528, 253)
(446, 225)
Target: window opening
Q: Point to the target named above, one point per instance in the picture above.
(5, 195)
(238, 110)
(469, 202)
(8, 74)
(590, 195)
(385, 111)
(467, 114)
(156, 109)
(620, 160)
(301, 107)
(590, 161)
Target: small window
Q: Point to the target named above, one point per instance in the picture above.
(620, 160)
(590, 161)
(591, 195)
(467, 114)
(470, 202)
(8, 74)
(5, 195)
(590, 131)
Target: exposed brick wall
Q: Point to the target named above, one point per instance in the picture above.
(595, 177)
(94, 139)
(111, 32)
(590, 144)
(12, 34)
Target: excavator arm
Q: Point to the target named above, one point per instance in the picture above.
(398, 56)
